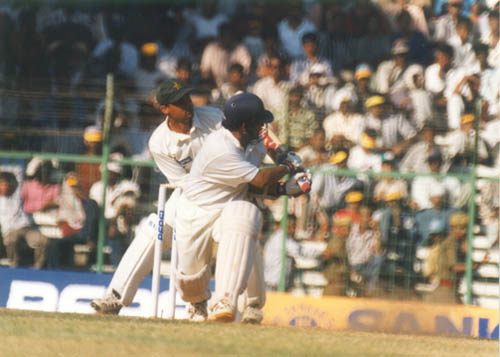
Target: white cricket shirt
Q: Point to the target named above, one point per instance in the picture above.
(174, 152)
(221, 170)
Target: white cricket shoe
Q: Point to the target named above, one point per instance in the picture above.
(109, 305)
(198, 311)
(252, 315)
(222, 311)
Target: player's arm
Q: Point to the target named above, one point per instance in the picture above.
(268, 176)
(172, 170)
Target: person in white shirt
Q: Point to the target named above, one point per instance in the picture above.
(362, 157)
(445, 25)
(389, 75)
(292, 28)
(214, 205)
(218, 56)
(462, 46)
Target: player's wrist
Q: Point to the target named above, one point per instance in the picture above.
(281, 189)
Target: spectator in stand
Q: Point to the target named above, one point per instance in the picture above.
(462, 92)
(458, 146)
(491, 37)
(388, 184)
(206, 21)
(489, 83)
(317, 90)
(389, 75)
(15, 224)
(272, 255)
(364, 252)
(292, 28)
(446, 24)
(147, 75)
(237, 83)
(328, 191)
(393, 8)
(336, 267)
(273, 89)
(419, 50)
(353, 200)
(465, 8)
(417, 101)
(121, 195)
(394, 132)
(362, 90)
(445, 264)
(415, 159)
(343, 127)
(271, 49)
(436, 77)
(301, 66)
(78, 218)
(218, 55)
(374, 44)
(184, 70)
(461, 41)
(362, 156)
(89, 172)
(314, 153)
(397, 230)
(297, 125)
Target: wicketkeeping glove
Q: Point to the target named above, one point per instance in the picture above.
(292, 161)
(296, 185)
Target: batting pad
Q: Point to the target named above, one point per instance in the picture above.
(240, 223)
(256, 286)
(194, 288)
(137, 262)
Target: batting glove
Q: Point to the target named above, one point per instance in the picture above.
(292, 162)
(296, 185)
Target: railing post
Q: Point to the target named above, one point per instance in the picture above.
(104, 172)
(284, 230)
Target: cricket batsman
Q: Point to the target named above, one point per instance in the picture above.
(214, 204)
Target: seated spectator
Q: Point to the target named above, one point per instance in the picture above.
(458, 146)
(389, 75)
(296, 126)
(328, 191)
(388, 184)
(39, 192)
(317, 90)
(218, 55)
(336, 267)
(446, 24)
(292, 28)
(364, 252)
(353, 200)
(273, 252)
(397, 230)
(314, 153)
(237, 83)
(147, 74)
(362, 90)
(206, 21)
(463, 53)
(415, 159)
(89, 172)
(184, 70)
(417, 101)
(491, 36)
(301, 69)
(273, 88)
(121, 195)
(422, 187)
(394, 131)
(343, 127)
(78, 218)
(419, 50)
(362, 156)
(16, 225)
(445, 264)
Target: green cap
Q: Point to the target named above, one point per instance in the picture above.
(171, 90)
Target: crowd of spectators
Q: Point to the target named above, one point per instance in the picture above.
(376, 86)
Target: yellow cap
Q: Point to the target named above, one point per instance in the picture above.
(458, 219)
(92, 134)
(374, 100)
(149, 49)
(338, 157)
(468, 118)
(367, 141)
(72, 180)
(393, 196)
(354, 196)
(363, 73)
